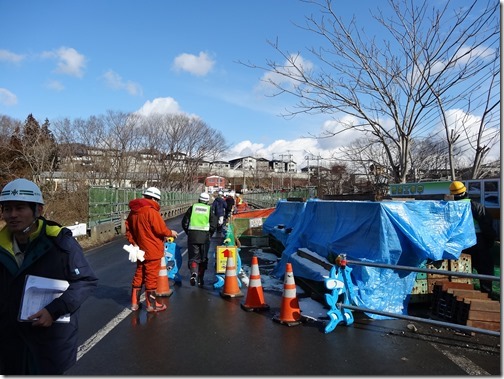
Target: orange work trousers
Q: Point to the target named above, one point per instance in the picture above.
(147, 272)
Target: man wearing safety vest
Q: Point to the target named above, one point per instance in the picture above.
(199, 223)
(481, 255)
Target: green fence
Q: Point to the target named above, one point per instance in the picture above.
(269, 199)
(108, 204)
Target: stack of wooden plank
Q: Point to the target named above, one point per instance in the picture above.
(460, 303)
(423, 288)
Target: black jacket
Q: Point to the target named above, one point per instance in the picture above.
(198, 236)
(485, 221)
(52, 253)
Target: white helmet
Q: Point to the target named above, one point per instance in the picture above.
(22, 190)
(152, 192)
(204, 197)
(220, 193)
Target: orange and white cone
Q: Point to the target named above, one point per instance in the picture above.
(290, 314)
(231, 287)
(255, 296)
(163, 284)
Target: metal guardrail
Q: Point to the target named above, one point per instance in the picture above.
(110, 205)
(270, 199)
(419, 319)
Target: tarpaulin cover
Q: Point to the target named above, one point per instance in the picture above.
(391, 232)
(285, 218)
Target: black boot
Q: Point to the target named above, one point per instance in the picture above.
(193, 267)
(193, 279)
(201, 273)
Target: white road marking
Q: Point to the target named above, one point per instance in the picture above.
(465, 364)
(97, 337)
(93, 340)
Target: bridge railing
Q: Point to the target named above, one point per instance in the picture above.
(268, 199)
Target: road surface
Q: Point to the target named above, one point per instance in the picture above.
(202, 333)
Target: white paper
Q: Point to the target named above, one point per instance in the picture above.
(39, 292)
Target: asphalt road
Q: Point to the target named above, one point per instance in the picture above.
(202, 333)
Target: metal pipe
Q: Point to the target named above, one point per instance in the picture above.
(431, 271)
(419, 319)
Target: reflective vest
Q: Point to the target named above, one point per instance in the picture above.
(200, 217)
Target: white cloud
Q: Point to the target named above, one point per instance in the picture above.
(115, 81)
(70, 61)
(466, 53)
(286, 75)
(297, 150)
(196, 65)
(339, 133)
(55, 85)
(161, 105)
(7, 97)
(8, 56)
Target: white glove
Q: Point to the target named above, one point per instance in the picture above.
(140, 255)
(221, 220)
(132, 250)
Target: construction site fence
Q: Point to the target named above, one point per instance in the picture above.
(109, 207)
(269, 199)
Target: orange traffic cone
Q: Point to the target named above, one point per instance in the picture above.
(163, 284)
(290, 314)
(255, 296)
(231, 287)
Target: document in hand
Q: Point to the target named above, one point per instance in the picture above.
(39, 292)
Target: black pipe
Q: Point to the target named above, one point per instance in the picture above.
(428, 270)
(419, 319)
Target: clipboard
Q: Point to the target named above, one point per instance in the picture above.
(38, 292)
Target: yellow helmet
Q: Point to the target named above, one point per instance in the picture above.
(457, 188)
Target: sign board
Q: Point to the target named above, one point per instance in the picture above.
(78, 229)
(422, 188)
(256, 222)
(222, 253)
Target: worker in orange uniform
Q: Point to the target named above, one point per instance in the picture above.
(146, 229)
(481, 255)
(240, 205)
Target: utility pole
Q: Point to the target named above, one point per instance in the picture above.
(307, 157)
(273, 173)
(286, 166)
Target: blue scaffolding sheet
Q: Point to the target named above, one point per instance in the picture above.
(391, 232)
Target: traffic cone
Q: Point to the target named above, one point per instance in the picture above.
(163, 284)
(290, 314)
(255, 296)
(231, 287)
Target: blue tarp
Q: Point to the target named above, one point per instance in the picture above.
(391, 232)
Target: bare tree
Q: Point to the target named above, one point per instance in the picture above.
(200, 143)
(429, 159)
(394, 89)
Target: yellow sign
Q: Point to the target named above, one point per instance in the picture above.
(222, 253)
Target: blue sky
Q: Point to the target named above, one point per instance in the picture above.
(78, 58)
